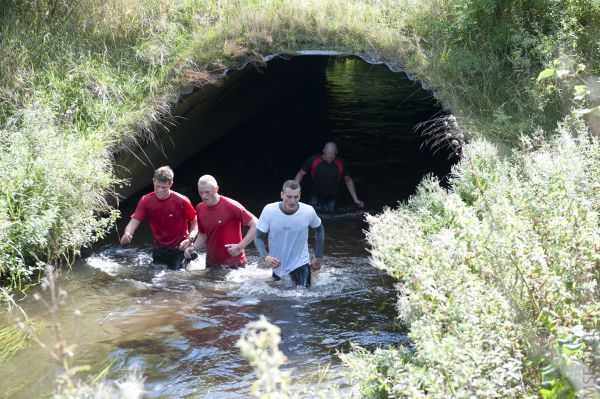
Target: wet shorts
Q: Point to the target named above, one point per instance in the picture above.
(170, 256)
(300, 276)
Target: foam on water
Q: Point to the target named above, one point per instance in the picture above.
(342, 213)
(250, 285)
(105, 264)
(135, 264)
(330, 281)
(114, 260)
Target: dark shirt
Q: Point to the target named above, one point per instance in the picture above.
(325, 176)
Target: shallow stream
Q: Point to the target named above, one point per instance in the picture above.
(181, 326)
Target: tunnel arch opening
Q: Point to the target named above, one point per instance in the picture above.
(256, 129)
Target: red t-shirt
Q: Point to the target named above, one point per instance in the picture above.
(168, 218)
(222, 224)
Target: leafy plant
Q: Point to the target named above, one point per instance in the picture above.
(495, 274)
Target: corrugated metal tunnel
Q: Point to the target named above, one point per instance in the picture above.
(254, 131)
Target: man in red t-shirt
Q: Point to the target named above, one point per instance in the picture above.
(220, 221)
(168, 213)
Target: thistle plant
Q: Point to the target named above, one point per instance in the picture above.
(260, 346)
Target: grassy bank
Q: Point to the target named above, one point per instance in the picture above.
(510, 245)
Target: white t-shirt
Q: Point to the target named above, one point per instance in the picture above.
(288, 234)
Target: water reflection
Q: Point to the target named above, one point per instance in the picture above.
(182, 325)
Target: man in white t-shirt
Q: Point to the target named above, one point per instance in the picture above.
(286, 225)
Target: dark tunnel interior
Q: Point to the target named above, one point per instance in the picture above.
(368, 110)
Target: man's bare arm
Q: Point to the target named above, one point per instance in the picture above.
(350, 185)
(129, 231)
(299, 175)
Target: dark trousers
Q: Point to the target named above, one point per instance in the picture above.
(172, 257)
(300, 276)
(323, 205)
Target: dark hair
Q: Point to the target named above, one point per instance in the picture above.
(291, 184)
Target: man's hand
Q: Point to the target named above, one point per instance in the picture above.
(126, 238)
(234, 249)
(185, 244)
(272, 262)
(187, 253)
(359, 203)
(315, 264)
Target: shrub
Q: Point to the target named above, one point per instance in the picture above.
(53, 196)
(103, 70)
(494, 273)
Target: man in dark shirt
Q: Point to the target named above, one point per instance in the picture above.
(326, 171)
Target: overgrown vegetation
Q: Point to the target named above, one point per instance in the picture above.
(498, 274)
(53, 191)
(69, 385)
(483, 56)
(259, 344)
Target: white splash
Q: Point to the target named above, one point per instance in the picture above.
(256, 282)
(114, 260)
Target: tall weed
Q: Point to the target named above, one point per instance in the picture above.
(494, 274)
(53, 196)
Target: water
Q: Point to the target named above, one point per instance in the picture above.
(181, 326)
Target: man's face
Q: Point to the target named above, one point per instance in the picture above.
(329, 156)
(290, 199)
(162, 189)
(208, 193)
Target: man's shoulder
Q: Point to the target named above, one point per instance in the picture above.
(149, 198)
(306, 208)
(309, 161)
(309, 213)
(272, 207)
(179, 197)
(200, 206)
(231, 202)
(315, 158)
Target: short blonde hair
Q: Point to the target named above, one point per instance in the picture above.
(291, 184)
(208, 179)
